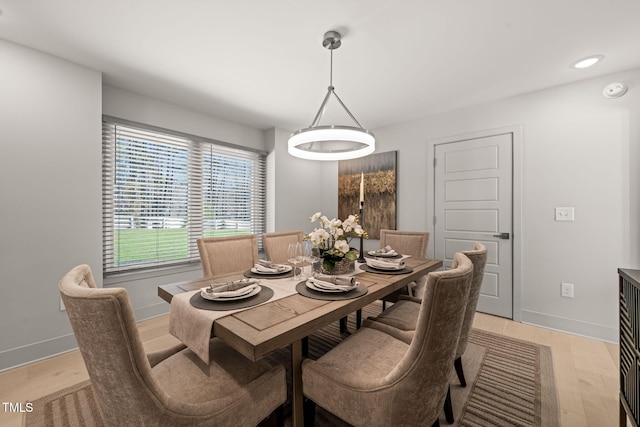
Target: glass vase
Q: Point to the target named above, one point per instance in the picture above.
(344, 266)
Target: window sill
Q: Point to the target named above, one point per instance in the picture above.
(114, 279)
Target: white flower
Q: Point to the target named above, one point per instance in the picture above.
(333, 235)
(319, 236)
(350, 223)
(342, 246)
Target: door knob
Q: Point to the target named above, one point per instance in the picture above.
(504, 236)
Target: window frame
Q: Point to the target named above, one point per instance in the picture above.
(249, 167)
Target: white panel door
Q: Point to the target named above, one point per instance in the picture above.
(473, 203)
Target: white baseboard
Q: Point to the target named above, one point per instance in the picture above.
(15, 357)
(571, 326)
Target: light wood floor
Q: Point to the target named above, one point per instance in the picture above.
(586, 371)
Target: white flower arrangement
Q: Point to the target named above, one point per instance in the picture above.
(332, 238)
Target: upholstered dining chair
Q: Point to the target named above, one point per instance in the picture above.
(402, 317)
(374, 379)
(413, 243)
(276, 244)
(221, 255)
(172, 387)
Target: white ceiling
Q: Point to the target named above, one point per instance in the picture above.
(261, 62)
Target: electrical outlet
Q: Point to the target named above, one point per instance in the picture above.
(62, 307)
(566, 290)
(564, 214)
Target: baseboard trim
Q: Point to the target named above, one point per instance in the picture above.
(570, 326)
(19, 356)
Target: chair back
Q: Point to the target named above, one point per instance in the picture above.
(105, 329)
(424, 371)
(412, 243)
(222, 255)
(478, 257)
(276, 244)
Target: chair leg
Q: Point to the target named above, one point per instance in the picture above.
(384, 305)
(358, 319)
(309, 412)
(436, 423)
(276, 419)
(343, 325)
(458, 365)
(448, 407)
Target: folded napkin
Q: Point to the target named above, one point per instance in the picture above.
(336, 280)
(388, 264)
(265, 266)
(326, 281)
(387, 250)
(230, 289)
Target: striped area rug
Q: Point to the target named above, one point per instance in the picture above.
(509, 383)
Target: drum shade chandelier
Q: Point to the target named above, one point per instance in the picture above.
(331, 142)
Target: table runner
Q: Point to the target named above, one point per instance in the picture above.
(193, 326)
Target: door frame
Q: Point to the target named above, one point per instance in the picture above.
(517, 132)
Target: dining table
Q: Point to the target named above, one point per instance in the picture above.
(259, 330)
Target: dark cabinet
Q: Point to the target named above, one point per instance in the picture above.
(629, 346)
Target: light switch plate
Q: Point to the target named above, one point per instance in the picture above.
(564, 214)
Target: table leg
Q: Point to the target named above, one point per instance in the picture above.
(297, 416)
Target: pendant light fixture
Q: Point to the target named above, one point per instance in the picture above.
(331, 142)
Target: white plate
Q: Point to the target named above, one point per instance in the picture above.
(287, 269)
(390, 255)
(254, 291)
(387, 268)
(311, 285)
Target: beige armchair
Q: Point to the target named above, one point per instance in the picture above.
(276, 244)
(374, 379)
(402, 317)
(221, 255)
(168, 388)
(413, 243)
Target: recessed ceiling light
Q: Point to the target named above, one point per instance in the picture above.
(588, 61)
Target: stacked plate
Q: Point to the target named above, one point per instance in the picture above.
(383, 264)
(270, 268)
(231, 291)
(333, 285)
(386, 252)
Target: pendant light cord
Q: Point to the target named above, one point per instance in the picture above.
(330, 90)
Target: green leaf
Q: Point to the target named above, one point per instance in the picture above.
(351, 256)
(328, 264)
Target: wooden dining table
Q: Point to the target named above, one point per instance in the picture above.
(259, 330)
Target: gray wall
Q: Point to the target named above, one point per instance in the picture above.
(50, 195)
(50, 188)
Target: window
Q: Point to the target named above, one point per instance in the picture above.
(162, 190)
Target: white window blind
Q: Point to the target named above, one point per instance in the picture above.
(162, 191)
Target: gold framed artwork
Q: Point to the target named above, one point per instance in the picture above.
(377, 172)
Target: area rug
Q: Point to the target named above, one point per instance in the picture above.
(509, 383)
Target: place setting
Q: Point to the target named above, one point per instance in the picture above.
(386, 252)
(265, 269)
(330, 287)
(231, 295)
(385, 265)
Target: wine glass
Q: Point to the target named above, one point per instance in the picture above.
(295, 255)
(310, 255)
